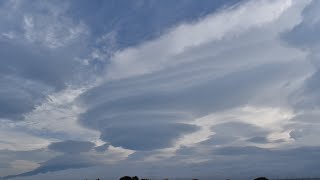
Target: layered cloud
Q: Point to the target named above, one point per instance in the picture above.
(193, 71)
(234, 89)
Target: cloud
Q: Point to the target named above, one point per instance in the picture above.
(303, 35)
(29, 22)
(250, 161)
(259, 139)
(305, 100)
(296, 134)
(233, 91)
(270, 162)
(60, 156)
(73, 147)
(59, 163)
(113, 117)
(102, 148)
(75, 155)
(125, 17)
(140, 60)
(20, 96)
(230, 132)
(31, 68)
(24, 165)
(40, 73)
(145, 136)
(194, 70)
(15, 162)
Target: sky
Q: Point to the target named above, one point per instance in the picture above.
(159, 88)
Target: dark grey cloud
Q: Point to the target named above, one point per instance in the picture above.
(239, 162)
(19, 96)
(145, 136)
(304, 35)
(37, 155)
(24, 84)
(63, 162)
(297, 133)
(236, 131)
(275, 162)
(305, 100)
(304, 132)
(235, 151)
(75, 155)
(71, 146)
(258, 139)
(30, 70)
(35, 63)
(102, 148)
(249, 161)
(126, 17)
(312, 118)
(9, 157)
(28, 77)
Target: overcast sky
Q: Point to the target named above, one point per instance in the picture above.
(159, 88)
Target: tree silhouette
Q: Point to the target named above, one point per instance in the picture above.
(126, 178)
(261, 178)
(129, 178)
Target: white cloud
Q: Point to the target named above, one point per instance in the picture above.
(53, 120)
(24, 165)
(13, 138)
(59, 115)
(46, 25)
(226, 25)
(52, 31)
